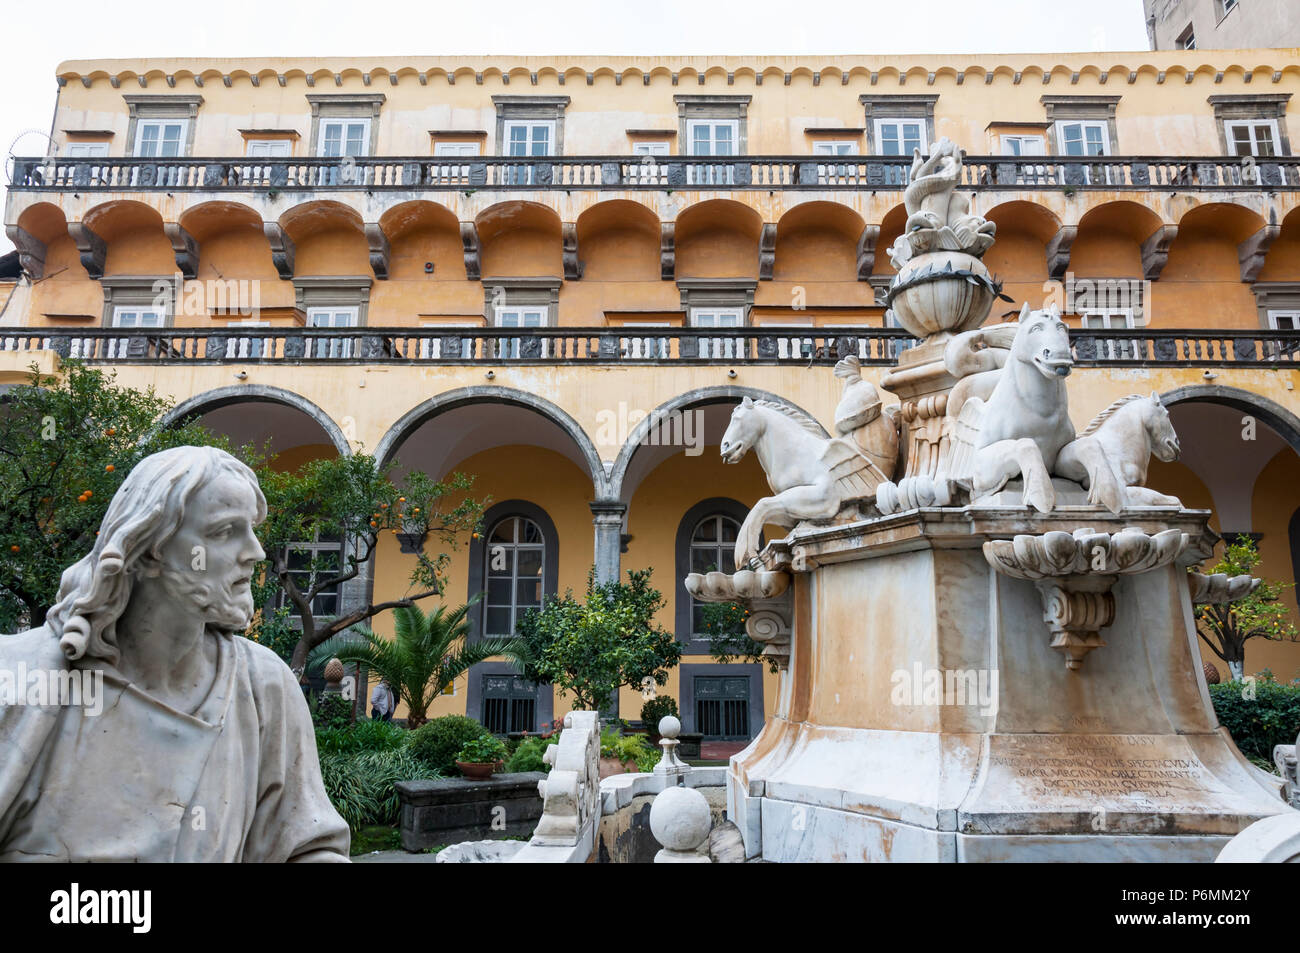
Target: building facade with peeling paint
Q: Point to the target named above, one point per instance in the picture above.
(520, 268)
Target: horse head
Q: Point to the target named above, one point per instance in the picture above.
(1160, 429)
(742, 433)
(1043, 340)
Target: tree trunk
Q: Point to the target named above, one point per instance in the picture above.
(1238, 669)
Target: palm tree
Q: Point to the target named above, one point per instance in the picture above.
(428, 653)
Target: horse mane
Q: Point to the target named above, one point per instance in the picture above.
(797, 416)
(1109, 412)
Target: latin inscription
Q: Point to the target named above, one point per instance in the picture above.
(1134, 768)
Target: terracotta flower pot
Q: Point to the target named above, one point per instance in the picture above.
(478, 770)
(611, 766)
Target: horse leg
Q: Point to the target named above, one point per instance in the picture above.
(1004, 460)
(1084, 460)
(1039, 492)
(809, 502)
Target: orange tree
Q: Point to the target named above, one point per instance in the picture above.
(66, 444)
(355, 501)
(1261, 615)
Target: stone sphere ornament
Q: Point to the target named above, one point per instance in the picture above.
(669, 726)
(680, 820)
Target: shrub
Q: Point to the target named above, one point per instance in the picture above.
(1258, 724)
(629, 748)
(366, 735)
(438, 740)
(528, 755)
(484, 750)
(656, 708)
(360, 785)
(332, 711)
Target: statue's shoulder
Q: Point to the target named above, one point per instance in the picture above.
(262, 662)
(38, 647)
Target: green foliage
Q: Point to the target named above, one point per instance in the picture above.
(332, 711)
(590, 649)
(724, 626)
(656, 708)
(437, 742)
(427, 653)
(1259, 723)
(528, 755)
(1262, 614)
(355, 498)
(368, 734)
(626, 748)
(360, 784)
(59, 437)
(484, 750)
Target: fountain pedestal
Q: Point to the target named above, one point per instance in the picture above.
(927, 715)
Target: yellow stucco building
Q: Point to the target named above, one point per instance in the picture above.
(560, 275)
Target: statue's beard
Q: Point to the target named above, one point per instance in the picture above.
(227, 606)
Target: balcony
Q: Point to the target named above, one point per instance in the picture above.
(570, 173)
(878, 347)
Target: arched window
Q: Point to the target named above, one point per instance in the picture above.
(514, 564)
(713, 547)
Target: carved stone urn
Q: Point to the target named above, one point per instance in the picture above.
(942, 291)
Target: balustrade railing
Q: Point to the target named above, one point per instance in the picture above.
(878, 347)
(647, 172)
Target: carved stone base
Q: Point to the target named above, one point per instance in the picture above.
(941, 725)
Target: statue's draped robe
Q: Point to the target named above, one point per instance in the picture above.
(236, 780)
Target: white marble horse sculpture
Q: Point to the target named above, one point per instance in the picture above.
(812, 477)
(1010, 412)
(1129, 431)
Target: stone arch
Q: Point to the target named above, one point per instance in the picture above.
(409, 422)
(253, 393)
(703, 395)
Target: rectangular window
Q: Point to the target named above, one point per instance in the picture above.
(1083, 138)
(722, 708)
(452, 173)
(1023, 146)
(710, 317)
(267, 148)
(1117, 320)
(650, 148)
(527, 139)
(835, 174)
(133, 316)
(519, 317)
(331, 347)
(344, 137)
(509, 704)
(307, 562)
(712, 138)
(160, 138)
(900, 137)
(1186, 40)
(1284, 320)
(84, 150)
(1251, 137)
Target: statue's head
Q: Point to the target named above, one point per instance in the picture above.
(1160, 429)
(1044, 341)
(180, 526)
(745, 428)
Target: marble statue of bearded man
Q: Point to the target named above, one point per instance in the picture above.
(201, 747)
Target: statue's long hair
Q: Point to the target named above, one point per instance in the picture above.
(143, 515)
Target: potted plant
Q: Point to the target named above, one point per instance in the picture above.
(479, 758)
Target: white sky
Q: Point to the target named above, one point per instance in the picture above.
(41, 35)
